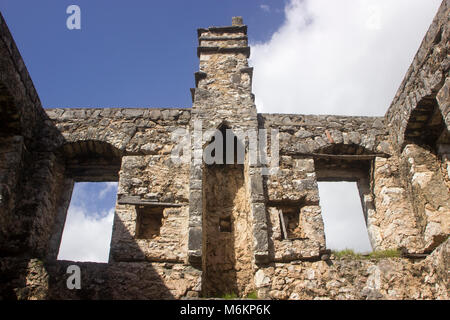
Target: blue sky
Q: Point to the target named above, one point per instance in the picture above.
(135, 53)
(345, 57)
(143, 53)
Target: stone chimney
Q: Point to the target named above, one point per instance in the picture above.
(237, 21)
(223, 95)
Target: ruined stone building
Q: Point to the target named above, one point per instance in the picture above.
(187, 230)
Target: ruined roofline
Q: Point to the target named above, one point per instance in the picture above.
(268, 114)
(237, 26)
(304, 119)
(218, 39)
(225, 29)
(117, 108)
(62, 114)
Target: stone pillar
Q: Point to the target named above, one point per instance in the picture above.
(429, 193)
(223, 97)
(60, 218)
(393, 224)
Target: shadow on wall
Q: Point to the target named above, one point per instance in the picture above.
(219, 223)
(227, 262)
(127, 280)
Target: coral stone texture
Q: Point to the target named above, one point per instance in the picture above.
(192, 229)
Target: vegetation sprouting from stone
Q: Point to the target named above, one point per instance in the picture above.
(380, 254)
(252, 295)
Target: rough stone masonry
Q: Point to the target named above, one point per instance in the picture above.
(190, 230)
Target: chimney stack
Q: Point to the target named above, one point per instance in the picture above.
(237, 21)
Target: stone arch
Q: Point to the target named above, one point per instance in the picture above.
(232, 152)
(345, 149)
(98, 134)
(426, 125)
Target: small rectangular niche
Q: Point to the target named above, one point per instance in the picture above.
(149, 222)
(225, 224)
(290, 223)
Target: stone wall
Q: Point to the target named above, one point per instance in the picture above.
(393, 224)
(11, 153)
(152, 190)
(126, 280)
(193, 229)
(227, 238)
(425, 77)
(309, 134)
(223, 99)
(353, 278)
(418, 121)
(29, 173)
(431, 197)
(130, 130)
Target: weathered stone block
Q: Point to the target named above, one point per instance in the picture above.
(195, 239)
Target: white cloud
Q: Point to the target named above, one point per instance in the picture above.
(343, 217)
(86, 238)
(109, 186)
(339, 57)
(88, 228)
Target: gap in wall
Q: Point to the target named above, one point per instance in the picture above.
(149, 222)
(88, 227)
(343, 217)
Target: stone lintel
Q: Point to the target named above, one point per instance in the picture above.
(134, 200)
(228, 29)
(243, 50)
(205, 38)
(93, 173)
